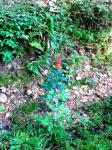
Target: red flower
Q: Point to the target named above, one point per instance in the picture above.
(58, 63)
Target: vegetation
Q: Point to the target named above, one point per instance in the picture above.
(36, 30)
(51, 39)
(57, 130)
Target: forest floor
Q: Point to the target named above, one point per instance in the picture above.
(90, 84)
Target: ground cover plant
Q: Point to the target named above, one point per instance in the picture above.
(57, 131)
(51, 43)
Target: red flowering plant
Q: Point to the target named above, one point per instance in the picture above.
(58, 62)
(55, 78)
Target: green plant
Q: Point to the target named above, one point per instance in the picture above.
(7, 56)
(91, 15)
(90, 23)
(56, 129)
(94, 126)
(55, 79)
(102, 59)
(6, 78)
(34, 28)
(39, 65)
(71, 65)
(2, 108)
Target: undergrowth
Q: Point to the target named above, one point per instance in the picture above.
(28, 28)
(49, 124)
(89, 128)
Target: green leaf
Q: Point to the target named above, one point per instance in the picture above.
(31, 66)
(56, 117)
(1, 43)
(36, 45)
(9, 34)
(63, 95)
(1, 21)
(11, 43)
(2, 108)
(23, 36)
(54, 42)
(51, 24)
(6, 56)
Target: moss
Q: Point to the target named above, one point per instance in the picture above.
(17, 80)
(5, 78)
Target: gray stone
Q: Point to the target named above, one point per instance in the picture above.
(110, 74)
(3, 89)
(78, 77)
(3, 98)
(29, 92)
(8, 114)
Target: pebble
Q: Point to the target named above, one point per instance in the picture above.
(9, 66)
(7, 115)
(85, 100)
(95, 79)
(34, 96)
(75, 88)
(3, 89)
(29, 92)
(87, 67)
(78, 77)
(14, 90)
(45, 71)
(3, 98)
(110, 74)
(77, 93)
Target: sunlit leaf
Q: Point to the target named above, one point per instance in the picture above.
(36, 45)
(2, 108)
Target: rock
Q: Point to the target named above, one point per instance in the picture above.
(12, 97)
(9, 66)
(29, 92)
(45, 71)
(7, 115)
(34, 89)
(95, 80)
(109, 85)
(78, 77)
(82, 51)
(15, 65)
(110, 74)
(15, 90)
(3, 89)
(75, 88)
(84, 87)
(81, 91)
(8, 91)
(41, 3)
(77, 93)
(99, 95)
(87, 67)
(85, 100)
(34, 96)
(3, 98)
